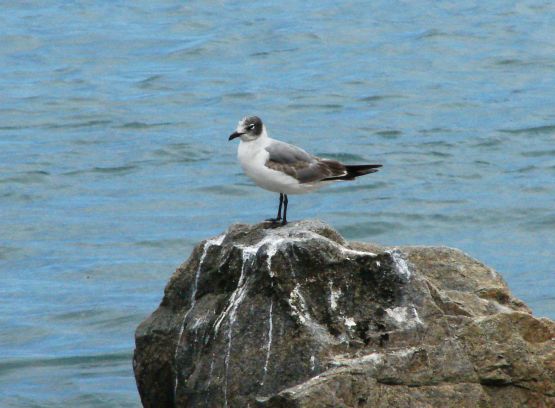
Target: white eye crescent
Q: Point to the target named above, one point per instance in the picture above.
(251, 126)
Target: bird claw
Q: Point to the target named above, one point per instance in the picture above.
(275, 222)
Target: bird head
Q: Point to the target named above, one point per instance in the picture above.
(248, 128)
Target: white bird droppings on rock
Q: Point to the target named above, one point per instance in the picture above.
(350, 322)
(209, 243)
(400, 263)
(334, 296)
(402, 317)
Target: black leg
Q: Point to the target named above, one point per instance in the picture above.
(279, 208)
(285, 201)
(278, 218)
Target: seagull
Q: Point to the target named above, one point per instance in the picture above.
(284, 168)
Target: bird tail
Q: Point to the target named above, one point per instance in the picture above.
(356, 170)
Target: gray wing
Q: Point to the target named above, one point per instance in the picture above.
(301, 165)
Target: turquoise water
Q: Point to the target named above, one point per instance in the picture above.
(114, 159)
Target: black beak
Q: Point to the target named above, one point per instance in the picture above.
(234, 135)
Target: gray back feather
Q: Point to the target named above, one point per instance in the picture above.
(299, 164)
(285, 153)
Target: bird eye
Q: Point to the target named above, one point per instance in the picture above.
(251, 126)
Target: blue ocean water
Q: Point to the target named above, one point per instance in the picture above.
(114, 159)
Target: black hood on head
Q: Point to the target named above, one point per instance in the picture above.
(257, 122)
(251, 126)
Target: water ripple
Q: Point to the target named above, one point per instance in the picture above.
(80, 360)
(535, 130)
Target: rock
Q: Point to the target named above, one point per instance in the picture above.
(298, 317)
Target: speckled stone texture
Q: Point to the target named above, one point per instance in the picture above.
(298, 317)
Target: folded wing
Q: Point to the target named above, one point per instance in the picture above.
(306, 168)
(301, 165)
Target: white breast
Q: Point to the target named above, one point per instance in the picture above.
(253, 156)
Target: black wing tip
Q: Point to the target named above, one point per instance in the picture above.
(356, 170)
(361, 169)
(363, 166)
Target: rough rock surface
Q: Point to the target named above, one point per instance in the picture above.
(298, 317)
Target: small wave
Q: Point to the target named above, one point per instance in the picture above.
(536, 190)
(7, 252)
(389, 133)
(539, 153)
(525, 169)
(120, 170)
(182, 153)
(509, 61)
(194, 48)
(267, 53)
(115, 322)
(438, 202)
(356, 82)
(11, 365)
(148, 82)
(162, 243)
(36, 176)
(431, 34)
(545, 223)
(331, 106)
(377, 98)
(76, 315)
(488, 142)
(438, 143)
(535, 130)
(20, 197)
(76, 125)
(16, 127)
(440, 154)
(114, 170)
(435, 130)
(141, 125)
(240, 95)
